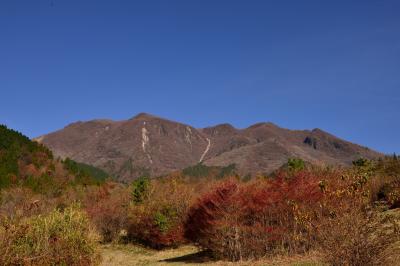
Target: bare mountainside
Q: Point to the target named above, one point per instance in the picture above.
(146, 144)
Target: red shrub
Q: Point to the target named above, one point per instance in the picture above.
(238, 220)
(204, 214)
(146, 231)
(107, 209)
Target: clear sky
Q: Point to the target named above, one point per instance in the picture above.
(333, 64)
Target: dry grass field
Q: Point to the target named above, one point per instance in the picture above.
(121, 255)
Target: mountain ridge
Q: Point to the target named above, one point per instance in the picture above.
(148, 144)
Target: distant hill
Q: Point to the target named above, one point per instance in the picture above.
(146, 144)
(27, 163)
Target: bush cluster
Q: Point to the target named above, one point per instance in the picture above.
(292, 213)
(242, 221)
(107, 208)
(157, 211)
(58, 238)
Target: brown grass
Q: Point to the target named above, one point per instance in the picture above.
(120, 255)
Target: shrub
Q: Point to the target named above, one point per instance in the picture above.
(385, 182)
(226, 171)
(202, 216)
(295, 164)
(156, 221)
(280, 215)
(58, 238)
(161, 221)
(107, 209)
(390, 193)
(362, 162)
(357, 238)
(17, 203)
(242, 221)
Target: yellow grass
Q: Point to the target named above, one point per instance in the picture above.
(120, 255)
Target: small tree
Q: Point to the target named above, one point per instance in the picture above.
(140, 189)
(295, 164)
(361, 162)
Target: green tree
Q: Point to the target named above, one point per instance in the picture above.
(295, 164)
(140, 189)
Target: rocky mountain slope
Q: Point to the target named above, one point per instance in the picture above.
(146, 144)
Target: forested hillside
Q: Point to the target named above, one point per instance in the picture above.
(30, 164)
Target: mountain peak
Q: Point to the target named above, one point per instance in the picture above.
(317, 130)
(220, 129)
(262, 124)
(320, 132)
(225, 126)
(143, 116)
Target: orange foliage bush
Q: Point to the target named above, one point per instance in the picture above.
(107, 209)
(158, 220)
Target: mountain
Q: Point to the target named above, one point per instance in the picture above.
(146, 144)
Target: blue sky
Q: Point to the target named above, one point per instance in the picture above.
(334, 65)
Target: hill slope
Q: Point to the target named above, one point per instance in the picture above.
(146, 144)
(27, 163)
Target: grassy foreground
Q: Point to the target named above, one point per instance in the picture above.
(113, 255)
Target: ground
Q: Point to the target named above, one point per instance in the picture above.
(113, 255)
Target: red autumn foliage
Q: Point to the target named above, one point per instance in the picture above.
(147, 232)
(107, 209)
(203, 215)
(239, 220)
